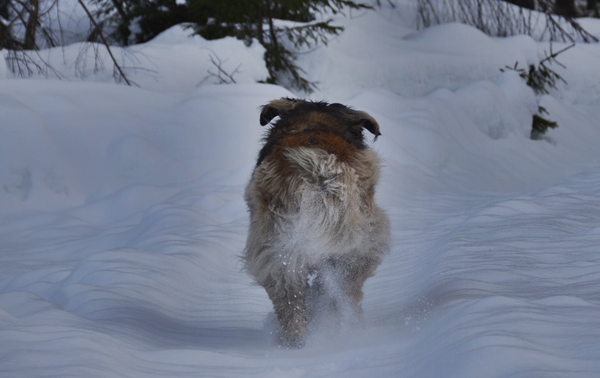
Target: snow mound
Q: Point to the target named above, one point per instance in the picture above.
(175, 61)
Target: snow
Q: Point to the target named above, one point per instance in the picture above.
(175, 61)
(122, 219)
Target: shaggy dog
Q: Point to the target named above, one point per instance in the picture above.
(316, 233)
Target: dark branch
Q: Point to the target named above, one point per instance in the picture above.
(101, 35)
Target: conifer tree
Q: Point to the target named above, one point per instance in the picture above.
(258, 19)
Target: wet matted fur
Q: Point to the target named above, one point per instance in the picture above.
(313, 220)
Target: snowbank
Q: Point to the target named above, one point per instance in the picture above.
(175, 61)
(122, 136)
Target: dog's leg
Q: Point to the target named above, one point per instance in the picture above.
(353, 272)
(288, 302)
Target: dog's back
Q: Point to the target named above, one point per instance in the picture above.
(311, 203)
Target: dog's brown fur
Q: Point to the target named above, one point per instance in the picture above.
(311, 207)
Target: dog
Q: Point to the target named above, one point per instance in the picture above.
(314, 226)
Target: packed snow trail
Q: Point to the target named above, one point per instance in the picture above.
(499, 287)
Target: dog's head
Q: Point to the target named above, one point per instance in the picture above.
(305, 117)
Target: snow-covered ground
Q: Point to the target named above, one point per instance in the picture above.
(122, 216)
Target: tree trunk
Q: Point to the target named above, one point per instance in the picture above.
(5, 33)
(259, 23)
(272, 33)
(32, 23)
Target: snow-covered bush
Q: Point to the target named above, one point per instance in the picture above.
(541, 78)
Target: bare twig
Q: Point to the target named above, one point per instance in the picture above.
(229, 76)
(22, 64)
(222, 76)
(101, 35)
(499, 18)
(553, 56)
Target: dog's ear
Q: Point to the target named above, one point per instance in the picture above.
(369, 123)
(276, 108)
